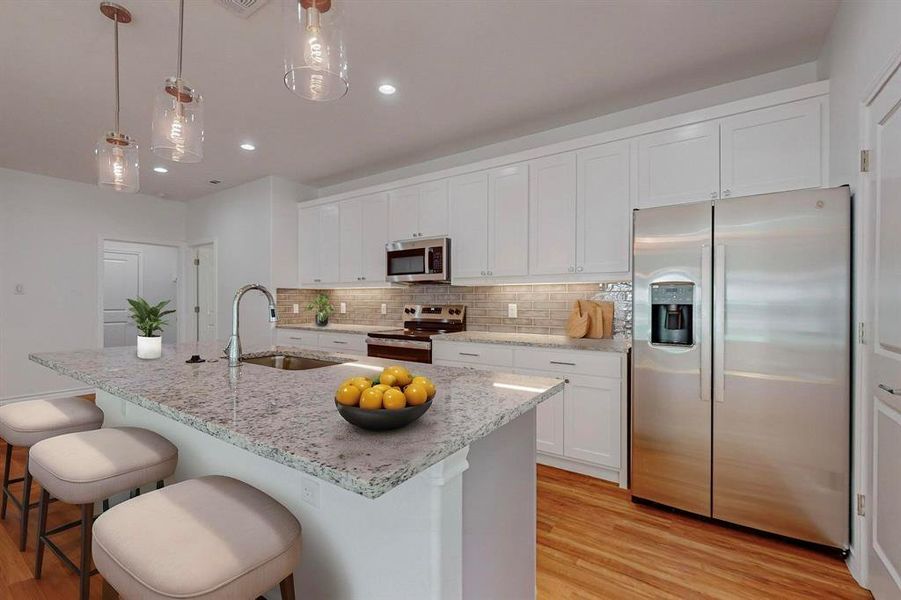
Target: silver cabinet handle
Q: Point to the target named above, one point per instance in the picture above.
(713, 195)
(338, 342)
(467, 354)
(295, 338)
(571, 269)
(491, 272)
(706, 321)
(892, 391)
(560, 362)
(483, 273)
(719, 323)
(727, 193)
(579, 269)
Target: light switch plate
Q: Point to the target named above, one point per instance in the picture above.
(344, 308)
(511, 311)
(296, 308)
(384, 308)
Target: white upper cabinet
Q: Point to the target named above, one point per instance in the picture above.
(552, 215)
(308, 246)
(679, 165)
(508, 221)
(772, 149)
(350, 257)
(604, 209)
(363, 234)
(469, 225)
(319, 244)
(418, 211)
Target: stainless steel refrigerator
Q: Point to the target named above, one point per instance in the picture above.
(741, 361)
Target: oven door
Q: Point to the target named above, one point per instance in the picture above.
(412, 261)
(406, 350)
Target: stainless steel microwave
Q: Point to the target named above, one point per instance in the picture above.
(419, 261)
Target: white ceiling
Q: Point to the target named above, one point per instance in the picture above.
(468, 73)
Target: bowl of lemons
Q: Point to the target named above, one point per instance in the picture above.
(390, 400)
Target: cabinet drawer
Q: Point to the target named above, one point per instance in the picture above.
(484, 354)
(297, 337)
(343, 342)
(598, 364)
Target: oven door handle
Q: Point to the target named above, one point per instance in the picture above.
(390, 343)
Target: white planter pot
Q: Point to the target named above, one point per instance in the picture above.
(150, 347)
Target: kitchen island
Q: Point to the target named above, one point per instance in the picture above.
(444, 508)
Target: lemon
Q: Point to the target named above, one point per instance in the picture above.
(400, 373)
(427, 383)
(382, 386)
(394, 399)
(361, 382)
(388, 379)
(371, 399)
(416, 394)
(348, 395)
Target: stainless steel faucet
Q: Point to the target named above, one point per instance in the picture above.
(233, 350)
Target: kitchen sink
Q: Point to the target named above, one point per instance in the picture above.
(288, 363)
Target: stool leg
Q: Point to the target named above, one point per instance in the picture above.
(286, 587)
(42, 529)
(87, 522)
(7, 464)
(160, 484)
(26, 508)
(105, 504)
(108, 592)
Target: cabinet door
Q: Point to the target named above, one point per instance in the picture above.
(508, 221)
(549, 421)
(469, 225)
(308, 260)
(679, 165)
(604, 209)
(591, 416)
(433, 209)
(772, 150)
(349, 241)
(403, 213)
(374, 212)
(552, 215)
(329, 243)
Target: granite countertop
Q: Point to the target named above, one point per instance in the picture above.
(536, 340)
(290, 416)
(339, 327)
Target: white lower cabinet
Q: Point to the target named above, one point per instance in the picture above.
(591, 422)
(352, 343)
(550, 420)
(300, 338)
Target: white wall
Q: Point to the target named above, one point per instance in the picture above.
(721, 94)
(863, 39)
(50, 233)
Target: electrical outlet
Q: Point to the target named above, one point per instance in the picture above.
(296, 308)
(309, 492)
(384, 308)
(344, 308)
(511, 311)
(20, 289)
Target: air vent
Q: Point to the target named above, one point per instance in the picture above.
(243, 8)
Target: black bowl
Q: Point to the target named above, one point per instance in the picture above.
(382, 419)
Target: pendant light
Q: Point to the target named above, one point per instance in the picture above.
(116, 153)
(178, 113)
(315, 56)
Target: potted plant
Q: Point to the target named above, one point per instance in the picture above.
(323, 309)
(149, 320)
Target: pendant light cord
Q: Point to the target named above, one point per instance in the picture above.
(181, 26)
(116, 45)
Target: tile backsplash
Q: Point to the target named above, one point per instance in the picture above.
(541, 308)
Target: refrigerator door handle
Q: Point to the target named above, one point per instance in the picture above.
(719, 323)
(704, 338)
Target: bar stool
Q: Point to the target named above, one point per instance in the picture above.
(24, 424)
(84, 468)
(212, 538)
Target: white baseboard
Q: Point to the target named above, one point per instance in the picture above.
(55, 394)
(567, 464)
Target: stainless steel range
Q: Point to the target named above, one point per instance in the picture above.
(414, 341)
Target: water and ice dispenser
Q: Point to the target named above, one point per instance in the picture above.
(672, 311)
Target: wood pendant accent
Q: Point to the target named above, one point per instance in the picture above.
(320, 5)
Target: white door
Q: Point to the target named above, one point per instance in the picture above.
(433, 209)
(883, 360)
(604, 209)
(309, 248)
(329, 243)
(679, 165)
(403, 213)
(552, 215)
(205, 278)
(772, 150)
(591, 413)
(508, 221)
(374, 213)
(469, 225)
(350, 254)
(121, 281)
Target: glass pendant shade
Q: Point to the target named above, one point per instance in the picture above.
(178, 122)
(117, 163)
(315, 55)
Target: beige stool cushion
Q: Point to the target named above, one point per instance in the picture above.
(27, 423)
(88, 466)
(208, 538)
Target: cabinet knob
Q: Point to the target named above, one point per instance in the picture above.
(363, 278)
(713, 195)
(491, 272)
(579, 269)
(571, 269)
(483, 273)
(727, 193)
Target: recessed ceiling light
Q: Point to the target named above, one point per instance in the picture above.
(161, 169)
(248, 147)
(387, 89)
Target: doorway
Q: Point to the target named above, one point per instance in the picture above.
(202, 292)
(132, 270)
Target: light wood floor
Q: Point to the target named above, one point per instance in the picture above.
(592, 543)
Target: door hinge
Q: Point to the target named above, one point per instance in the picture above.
(196, 261)
(861, 505)
(197, 309)
(861, 333)
(864, 161)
